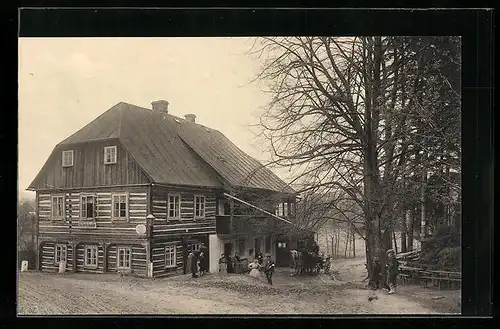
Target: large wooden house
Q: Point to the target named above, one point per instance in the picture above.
(136, 188)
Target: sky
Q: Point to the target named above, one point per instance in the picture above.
(64, 83)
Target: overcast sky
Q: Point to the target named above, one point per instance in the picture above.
(64, 83)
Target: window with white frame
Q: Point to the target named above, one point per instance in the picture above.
(88, 206)
(91, 256)
(67, 158)
(170, 256)
(120, 205)
(174, 206)
(57, 207)
(110, 154)
(124, 258)
(61, 251)
(199, 206)
(280, 209)
(285, 209)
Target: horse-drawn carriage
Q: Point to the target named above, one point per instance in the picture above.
(307, 260)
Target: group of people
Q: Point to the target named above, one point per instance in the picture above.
(197, 262)
(226, 265)
(391, 270)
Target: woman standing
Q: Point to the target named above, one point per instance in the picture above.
(254, 269)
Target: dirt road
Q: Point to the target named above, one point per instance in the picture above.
(214, 294)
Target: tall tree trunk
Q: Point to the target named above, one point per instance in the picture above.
(346, 243)
(423, 228)
(411, 221)
(404, 221)
(354, 245)
(395, 242)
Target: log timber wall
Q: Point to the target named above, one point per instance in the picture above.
(102, 231)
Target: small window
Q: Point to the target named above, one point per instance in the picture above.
(285, 209)
(120, 206)
(170, 256)
(110, 154)
(195, 247)
(67, 158)
(174, 206)
(61, 252)
(199, 206)
(91, 256)
(124, 258)
(58, 207)
(87, 206)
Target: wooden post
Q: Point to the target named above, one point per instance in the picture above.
(73, 250)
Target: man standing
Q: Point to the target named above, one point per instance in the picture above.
(269, 269)
(392, 270)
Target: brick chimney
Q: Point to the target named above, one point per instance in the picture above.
(190, 117)
(160, 106)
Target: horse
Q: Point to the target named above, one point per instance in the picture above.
(296, 262)
(305, 262)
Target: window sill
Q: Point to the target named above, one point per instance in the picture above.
(170, 267)
(90, 267)
(109, 163)
(124, 269)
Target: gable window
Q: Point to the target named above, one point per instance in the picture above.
(57, 207)
(90, 256)
(120, 206)
(61, 252)
(110, 154)
(285, 209)
(67, 158)
(170, 256)
(174, 206)
(199, 206)
(124, 258)
(87, 206)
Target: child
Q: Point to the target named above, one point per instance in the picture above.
(222, 264)
(392, 270)
(269, 269)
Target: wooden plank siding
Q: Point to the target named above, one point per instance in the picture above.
(104, 223)
(88, 168)
(48, 263)
(187, 224)
(138, 265)
(158, 257)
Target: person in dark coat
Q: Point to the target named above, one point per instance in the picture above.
(259, 256)
(269, 269)
(204, 261)
(377, 273)
(194, 265)
(392, 268)
(201, 259)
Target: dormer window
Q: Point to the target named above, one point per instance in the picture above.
(67, 158)
(110, 154)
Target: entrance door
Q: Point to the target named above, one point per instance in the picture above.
(228, 249)
(257, 245)
(282, 253)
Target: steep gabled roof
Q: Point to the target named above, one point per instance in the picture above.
(175, 151)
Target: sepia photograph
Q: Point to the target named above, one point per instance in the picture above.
(271, 175)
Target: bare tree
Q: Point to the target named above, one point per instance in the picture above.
(346, 113)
